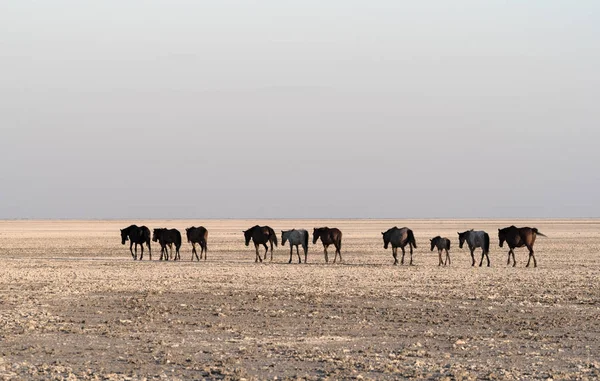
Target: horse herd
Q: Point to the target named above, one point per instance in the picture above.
(263, 235)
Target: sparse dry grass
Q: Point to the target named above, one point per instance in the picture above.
(74, 304)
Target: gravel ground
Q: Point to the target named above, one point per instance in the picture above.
(74, 305)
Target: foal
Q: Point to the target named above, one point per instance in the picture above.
(441, 244)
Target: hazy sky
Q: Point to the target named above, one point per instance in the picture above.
(316, 109)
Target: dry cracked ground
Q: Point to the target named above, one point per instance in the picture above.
(74, 305)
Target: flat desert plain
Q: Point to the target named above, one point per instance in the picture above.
(74, 305)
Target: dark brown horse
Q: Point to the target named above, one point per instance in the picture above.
(329, 236)
(198, 236)
(519, 237)
(399, 238)
(261, 235)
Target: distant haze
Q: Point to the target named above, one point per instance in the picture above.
(299, 109)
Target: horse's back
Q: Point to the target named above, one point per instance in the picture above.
(448, 243)
(400, 236)
(478, 238)
(297, 236)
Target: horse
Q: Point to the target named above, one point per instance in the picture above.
(519, 237)
(167, 237)
(328, 237)
(399, 238)
(296, 238)
(442, 244)
(476, 239)
(138, 236)
(198, 236)
(260, 235)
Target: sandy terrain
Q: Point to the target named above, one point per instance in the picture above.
(73, 305)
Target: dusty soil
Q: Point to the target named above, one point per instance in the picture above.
(73, 305)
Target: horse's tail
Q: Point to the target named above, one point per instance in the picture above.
(448, 242)
(273, 236)
(306, 238)
(206, 240)
(538, 232)
(486, 243)
(177, 239)
(147, 236)
(411, 238)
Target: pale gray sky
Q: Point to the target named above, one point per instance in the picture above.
(316, 109)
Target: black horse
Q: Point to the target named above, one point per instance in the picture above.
(138, 235)
(197, 236)
(329, 236)
(167, 237)
(260, 235)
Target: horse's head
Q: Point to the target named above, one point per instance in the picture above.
(284, 237)
(124, 237)
(316, 233)
(432, 243)
(501, 237)
(386, 239)
(461, 239)
(155, 234)
(247, 236)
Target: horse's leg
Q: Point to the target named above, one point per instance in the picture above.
(135, 250)
(339, 250)
(440, 257)
(336, 253)
(271, 242)
(411, 253)
(395, 255)
(487, 256)
(512, 251)
(142, 254)
(149, 249)
(298, 254)
(326, 256)
(403, 252)
(472, 258)
(266, 250)
(448, 261)
(305, 253)
(131, 250)
(482, 255)
(531, 255)
(205, 249)
(291, 252)
(257, 254)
